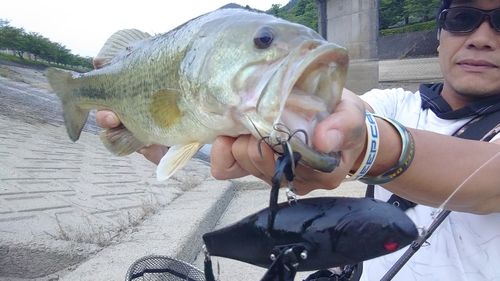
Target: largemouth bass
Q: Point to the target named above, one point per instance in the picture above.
(229, 72)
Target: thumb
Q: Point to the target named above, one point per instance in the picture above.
(342, 130)
(106, 119)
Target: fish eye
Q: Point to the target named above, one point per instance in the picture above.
(263, 38)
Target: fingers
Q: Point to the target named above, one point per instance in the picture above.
(106, 119)
(259, 162)
(307, 180)
(223, 164)
(234, 158)
(154, 152)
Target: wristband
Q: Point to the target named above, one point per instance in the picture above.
(407, 153)
(371, 149)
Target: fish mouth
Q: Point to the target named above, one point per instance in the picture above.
(319, 71)
(311, 87)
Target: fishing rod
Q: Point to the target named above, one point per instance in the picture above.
(415, 246)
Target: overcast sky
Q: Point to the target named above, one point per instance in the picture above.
(84, 26)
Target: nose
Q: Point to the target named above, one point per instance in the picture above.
(484, 37)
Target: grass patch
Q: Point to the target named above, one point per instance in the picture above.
(38, 64)
(27, 62)
(100, 235)
(429, 25)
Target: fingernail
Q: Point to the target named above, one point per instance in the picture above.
(333, 139)
(111, 121)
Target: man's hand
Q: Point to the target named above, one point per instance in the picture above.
(107, 119)
(344, 130)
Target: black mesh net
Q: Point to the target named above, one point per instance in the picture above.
(163, 268)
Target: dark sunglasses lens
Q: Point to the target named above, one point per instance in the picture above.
(462, 20)
(495, 19)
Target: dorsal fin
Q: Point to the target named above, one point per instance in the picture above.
(117, 43)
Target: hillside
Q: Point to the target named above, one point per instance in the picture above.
(288, 6)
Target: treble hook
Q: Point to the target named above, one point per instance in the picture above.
(280, 128)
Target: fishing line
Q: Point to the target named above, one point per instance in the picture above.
(441, 207)
(439, 215)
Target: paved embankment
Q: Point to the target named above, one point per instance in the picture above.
(72, 211)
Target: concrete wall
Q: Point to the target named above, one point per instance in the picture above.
(354, 25)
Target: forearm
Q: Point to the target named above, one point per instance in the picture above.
(440, 165)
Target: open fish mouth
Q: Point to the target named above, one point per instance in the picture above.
(319, 72)
(312, 87)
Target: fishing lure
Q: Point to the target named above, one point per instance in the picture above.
(328, 231)
(313, 233)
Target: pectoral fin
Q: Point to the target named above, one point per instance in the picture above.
(176, 158)
(164, 108)
(120, 141)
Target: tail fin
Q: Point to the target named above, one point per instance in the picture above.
(74, 116)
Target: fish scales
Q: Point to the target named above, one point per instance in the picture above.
(228, 72)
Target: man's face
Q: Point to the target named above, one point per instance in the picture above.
(470, 62)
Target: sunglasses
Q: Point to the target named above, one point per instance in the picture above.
(467, 19)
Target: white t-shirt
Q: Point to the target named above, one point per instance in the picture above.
(465, 246)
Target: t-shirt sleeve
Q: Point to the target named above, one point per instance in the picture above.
(387, 102)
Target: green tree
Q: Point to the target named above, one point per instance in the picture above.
(301, 7)
(391, 12)
(276, 10)
(305, 12)
(49, 51)
(37, 46)
(11, 38)
(64, 55)
(85, 62)
(402, 12)
(34, 44)
(422, 10)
